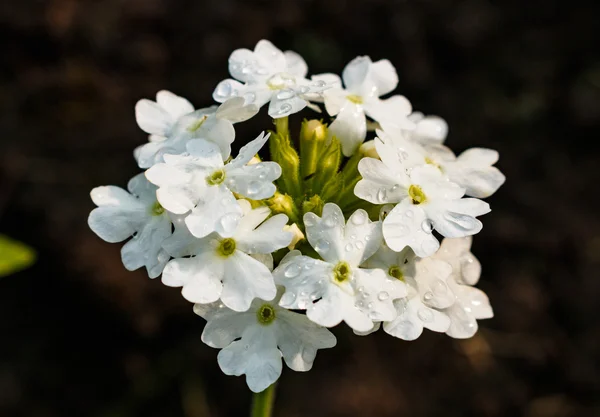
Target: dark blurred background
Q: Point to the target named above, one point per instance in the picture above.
(81, 336)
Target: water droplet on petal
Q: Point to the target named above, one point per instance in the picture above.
(425, 314)
(428, 296)
(359, 245)
(286, 94)
(254, 188)
(382, 195)
(322, 246)
(288, 298)
(229, 222)
(292, 270)
(383, 295)
(358, 218)
(349, 247)
(249, 98)
(409, 214)
(329, 221)
(440, 287)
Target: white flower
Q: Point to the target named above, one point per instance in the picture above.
(365, 81)
(172, 122)
(428, 283)
(337, 289)
(429, 130)
(471, 303)
(253, 342)
(472, 170)
(222, 266)
(200, 181)
(121, 214)
(269, 75)
(426, 198)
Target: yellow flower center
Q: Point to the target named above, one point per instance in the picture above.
(265, 314)
(416, 194)
(355, 99)
(226, 247)
(342, 272)
(216, 177)
(396, 272)
(157, 209)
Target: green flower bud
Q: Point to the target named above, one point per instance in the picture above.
(283, 203)
(328, 166)
(286, 156)
(314, 204)
(312, 141)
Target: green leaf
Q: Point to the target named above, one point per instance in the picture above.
(14, 256)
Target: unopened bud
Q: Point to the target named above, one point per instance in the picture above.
(297, 235)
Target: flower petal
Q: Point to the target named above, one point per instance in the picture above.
(326, 233)
(248, 151)
(379, 184)
(216, 210)
(349, 127)
(267, 238)
(355, 74)
(407, 225)
(223, 324)
(152, 118)
(255, 355)
(295, 64)
(200, 277)
(235, 110)
(173, 104)
(432, 278)
(299, 339)
(362, 238)
(246, 279)
(384, 76)
(145, 249)
(456, 218)
(254, 181)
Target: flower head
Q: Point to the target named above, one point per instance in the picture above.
(201, 182)
(336, 289)
(224, 265)
(253, 342)
(269, 75)
(365, 81)
(172, 122)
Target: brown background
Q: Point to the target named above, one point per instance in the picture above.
(80, 336)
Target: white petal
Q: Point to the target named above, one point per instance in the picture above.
(119, 216)
(246, 279)
(223, 324)
(333, 307)
(473, 300)
(362, 238)
(248, 151)
(268, 237)
(295, 64)
(227, 89)
(217, 210)
(379, 184)
(326, 233)
(140, 187)
(334, 98)
(152, 118)
(384, 76)
(205, 153)
(200, 277)
(182, 243)
(299, 339)
(466, 268)
(473, 171)
(283, 107)
(349, 127)
(145, 249)
(270, 55)
(397, 153)
(255, 355)
(304, 279)
(432, 279)
(235, 110)
(174, 105)
(456, 218)
(254, 181)
(407, 225)
(412, 317)
(479, 157)
(430, 130)
(392, 113)
(356, 73)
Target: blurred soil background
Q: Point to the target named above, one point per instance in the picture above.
(81, 336)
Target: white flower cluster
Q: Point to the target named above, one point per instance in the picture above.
(263, 248)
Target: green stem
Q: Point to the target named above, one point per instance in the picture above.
(281, 126)
(262, 402)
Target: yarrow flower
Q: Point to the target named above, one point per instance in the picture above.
(338, 229)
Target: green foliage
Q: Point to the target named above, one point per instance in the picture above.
(14, 256)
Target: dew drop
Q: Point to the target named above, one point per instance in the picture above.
(322, 246)
(370, 306)
(249, 98)
(310, 219)
(382, 195)
(348, 247)
(382, 296)
(319, 83)
(440, 287)
(288, 298)
(359, 245)
(292, 270)
(229, 222)
(409, 214)
(427, 226)
(254, 188)
(358, 218)
(329, 221)
(428, 296)
(285, 108)
(286, 94)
